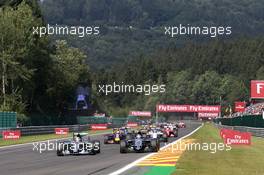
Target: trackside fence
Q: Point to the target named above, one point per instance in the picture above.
(255, 121)
(34, 130)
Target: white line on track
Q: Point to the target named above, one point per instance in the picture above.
(30, 143)
(125, 168)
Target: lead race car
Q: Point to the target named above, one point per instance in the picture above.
(139, 143)
(81, 144)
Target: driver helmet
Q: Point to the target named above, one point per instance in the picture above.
(76, 138)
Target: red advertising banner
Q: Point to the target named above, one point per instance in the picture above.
(208, 115)
(240, 106)
(188, 108)
(99, 126)
(224, 132)
(61, 131)
(132, 124)
(11, 135)
(232, 137)
(140, 113)
(257, 89)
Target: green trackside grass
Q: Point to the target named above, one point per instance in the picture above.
(240, 160)
(43, 137)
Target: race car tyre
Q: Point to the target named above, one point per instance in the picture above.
(105, 141)
(154, 145)
(60, 152)
(123, 147)
(165, 138)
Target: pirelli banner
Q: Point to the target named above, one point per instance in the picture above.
(188, 108)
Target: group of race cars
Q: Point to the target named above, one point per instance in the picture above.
(147, 138)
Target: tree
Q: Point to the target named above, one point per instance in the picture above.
(16, 40)
(178, 89)
(206, 88)
(260, 73)
(69, 69)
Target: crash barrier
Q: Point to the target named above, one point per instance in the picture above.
(34, 130)
(91, 120)
(258, 132)
(113, 122)
(132, 118)
(248, 120)
(118, 122)
(8, 119)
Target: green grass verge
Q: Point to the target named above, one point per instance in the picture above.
(35, 138)
(242, 160)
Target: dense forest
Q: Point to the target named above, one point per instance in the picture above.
(39, 76)
(198, 74)
(118, 42)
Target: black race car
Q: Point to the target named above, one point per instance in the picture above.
(138, 143)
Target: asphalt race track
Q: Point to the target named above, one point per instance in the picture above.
(22, 160)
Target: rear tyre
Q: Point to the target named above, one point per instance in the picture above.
(175, 134)
(155, 145)
(61, 148)
(60, 152)
(123, 147)
(165, 138)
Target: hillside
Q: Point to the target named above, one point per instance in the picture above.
(117, 42)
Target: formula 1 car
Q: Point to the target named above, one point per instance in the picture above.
(113, 138)
(139, 144)
(162, 136)
(171, 131)
(159, 134)
(117, 135)
(79, 145)
(181, 125)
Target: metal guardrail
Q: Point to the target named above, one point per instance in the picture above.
(34, 130)
(258, 132)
